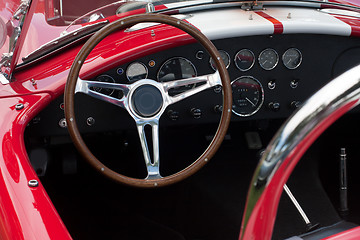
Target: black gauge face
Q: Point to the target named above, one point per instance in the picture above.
(292, 58)
(268, 59)
(104, 78)
(248, 96)
(175, 69)
(244, 59)
(224, 56)
(136, 71)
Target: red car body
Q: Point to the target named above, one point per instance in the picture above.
(27, 211)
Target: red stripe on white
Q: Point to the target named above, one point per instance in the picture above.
(354, 23)
(278, 26)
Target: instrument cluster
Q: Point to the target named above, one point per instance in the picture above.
(248, 91)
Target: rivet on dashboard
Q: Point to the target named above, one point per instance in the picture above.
(178, 22)
(206, 159)
(102, 169)
(33, 183)
(79, 62)
(122, 22)
(155, 184)
(229, 110)
(19, 106)
(71, 119)
(33, 82)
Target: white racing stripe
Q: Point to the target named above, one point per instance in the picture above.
(226, 23)
(309, 21)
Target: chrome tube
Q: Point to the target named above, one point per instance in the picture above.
(288, 145)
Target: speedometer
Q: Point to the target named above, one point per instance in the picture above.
(248, 96)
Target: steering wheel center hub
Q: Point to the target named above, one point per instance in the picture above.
(147, 100)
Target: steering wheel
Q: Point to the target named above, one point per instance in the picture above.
(145, 101)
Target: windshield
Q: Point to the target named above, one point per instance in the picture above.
(54, 23)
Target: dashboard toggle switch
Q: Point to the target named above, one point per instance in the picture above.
(295, 104)
(173, 115)
(196, 113)
(275, 106)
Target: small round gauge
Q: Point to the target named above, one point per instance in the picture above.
(244, 59)
(176, 68)
(136, 71)
(248, 96)
(292, 58)
(104, 78)
(224, 56)
(268, 59)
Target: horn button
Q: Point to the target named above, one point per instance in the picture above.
(147, 100)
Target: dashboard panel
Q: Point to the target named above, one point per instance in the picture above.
(271, 76)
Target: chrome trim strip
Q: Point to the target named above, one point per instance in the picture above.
(291, 141)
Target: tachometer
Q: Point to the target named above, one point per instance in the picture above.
(248, 96)
(176, 68)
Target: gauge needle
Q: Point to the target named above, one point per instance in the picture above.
(250, 102)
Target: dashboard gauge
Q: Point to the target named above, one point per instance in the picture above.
(268, 59)
(244, 59)
(104, 78)
(176, 68)
(248, 96)
(136, 71)
(224, 56)
(292, 58)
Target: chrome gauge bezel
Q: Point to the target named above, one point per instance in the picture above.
(108, 76)
(252, 64)
(261, 94)
(130, 79)
(284, 55)
(228, 57)
(170, 59)
(261, 55)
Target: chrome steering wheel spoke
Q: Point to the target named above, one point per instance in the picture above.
(86, 86)
(152, 165)
(207, 81)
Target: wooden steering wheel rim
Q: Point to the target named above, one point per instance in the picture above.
(74, 74)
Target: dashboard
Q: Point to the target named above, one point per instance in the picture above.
(271, 76)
